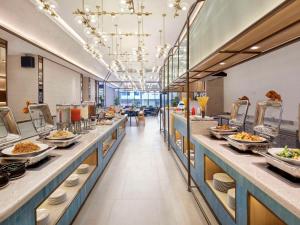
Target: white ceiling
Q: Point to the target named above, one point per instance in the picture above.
(129, 23)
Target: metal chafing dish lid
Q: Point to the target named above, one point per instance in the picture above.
(239, 112)
(268, 118)
(9, 130)
(41, 118)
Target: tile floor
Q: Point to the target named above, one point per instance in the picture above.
(141, 186)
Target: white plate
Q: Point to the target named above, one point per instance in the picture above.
(218, 130)
(246, 141)
(9, 151)
(42, 216)
(275, 151)
(60, 138)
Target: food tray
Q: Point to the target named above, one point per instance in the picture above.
(221, 135)
(29, 160)
(61, 143)
(243, 146)
(291, 169)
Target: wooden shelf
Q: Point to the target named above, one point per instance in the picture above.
(260, 214)
(107, 144)
(210, 168)
(222, 198)
(57, 211)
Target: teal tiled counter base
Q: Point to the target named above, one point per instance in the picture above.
(26, 213)
(262, 196)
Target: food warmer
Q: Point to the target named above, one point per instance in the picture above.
(272, 130)
(238, 117)
(10, 134)
(267, 122)
(43, 123)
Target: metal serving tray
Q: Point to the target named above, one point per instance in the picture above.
(28, 160)
(61, 143)
(243, 146)
(221, 135)
(284, 166)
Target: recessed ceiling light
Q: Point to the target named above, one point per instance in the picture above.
(222, 63)
(254, 47)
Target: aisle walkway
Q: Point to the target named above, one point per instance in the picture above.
(141, 186)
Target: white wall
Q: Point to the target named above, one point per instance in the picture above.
(279, 70)
(110, 96)
(61, 85)
(93, 93)
(22, 86)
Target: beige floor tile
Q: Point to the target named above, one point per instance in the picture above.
(141, 186)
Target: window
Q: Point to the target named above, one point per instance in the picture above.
(139, 98)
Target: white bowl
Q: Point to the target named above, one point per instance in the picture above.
(72, 180)
(57, 197)
(42, 216)
(83, 168)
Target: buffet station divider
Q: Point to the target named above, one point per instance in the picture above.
(64, 194)
(246, 203)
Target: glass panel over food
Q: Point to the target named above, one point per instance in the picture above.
(268, 118)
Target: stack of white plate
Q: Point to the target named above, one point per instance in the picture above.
(222, 182)
(72, 180)
(83, 168)
(179, 142)
(42, 216)
(57, 197)
(192, 154)
(231, 198)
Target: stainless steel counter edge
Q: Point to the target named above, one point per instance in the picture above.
(19, 191)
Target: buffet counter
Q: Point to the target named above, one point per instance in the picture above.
(262, 195)
(20, 199)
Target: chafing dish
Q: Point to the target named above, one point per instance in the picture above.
(41, 119)
(30, 160)
(239, 113)
(291, 169)
(221, 135)
(61, 143)
(270, 127)
(245, 146)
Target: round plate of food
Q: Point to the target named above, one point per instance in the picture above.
(246, 137)
(25, 148)
(290, 155)
(60, 135)
(224, 128)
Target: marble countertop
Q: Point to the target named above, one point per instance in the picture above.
(254, 168)
(19, 191)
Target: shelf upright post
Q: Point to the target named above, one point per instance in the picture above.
(188, 100)
(160, 106)
(164, 103)
(168, 99)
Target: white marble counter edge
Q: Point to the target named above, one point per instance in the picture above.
(287, 198)
(9, 206)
